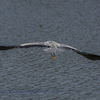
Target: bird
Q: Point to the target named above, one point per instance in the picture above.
(53, 48)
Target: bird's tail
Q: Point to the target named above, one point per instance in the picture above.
(54, 50)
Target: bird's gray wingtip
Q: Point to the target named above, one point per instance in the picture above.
(8, 47)
(90, 56)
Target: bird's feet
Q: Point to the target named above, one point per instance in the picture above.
(53, 57)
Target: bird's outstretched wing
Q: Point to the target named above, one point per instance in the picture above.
(8, 47)
(85, 54)
(35, 44)
(26, 45)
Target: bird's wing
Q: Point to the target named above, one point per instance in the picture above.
(26, 45)
(85, 54)
(8, 47)
(35, 44)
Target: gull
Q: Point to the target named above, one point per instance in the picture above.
(53, 48)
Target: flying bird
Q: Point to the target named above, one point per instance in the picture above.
(53, 48)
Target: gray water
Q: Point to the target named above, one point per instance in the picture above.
(31, 74)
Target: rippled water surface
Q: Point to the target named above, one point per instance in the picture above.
(30, 73)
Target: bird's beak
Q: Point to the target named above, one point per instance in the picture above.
(53, 57)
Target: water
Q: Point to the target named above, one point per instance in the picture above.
(31, 73)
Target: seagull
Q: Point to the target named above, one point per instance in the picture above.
(53, 48)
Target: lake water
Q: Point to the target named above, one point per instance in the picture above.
(27, 74)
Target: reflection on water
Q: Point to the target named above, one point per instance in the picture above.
(31, 73)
